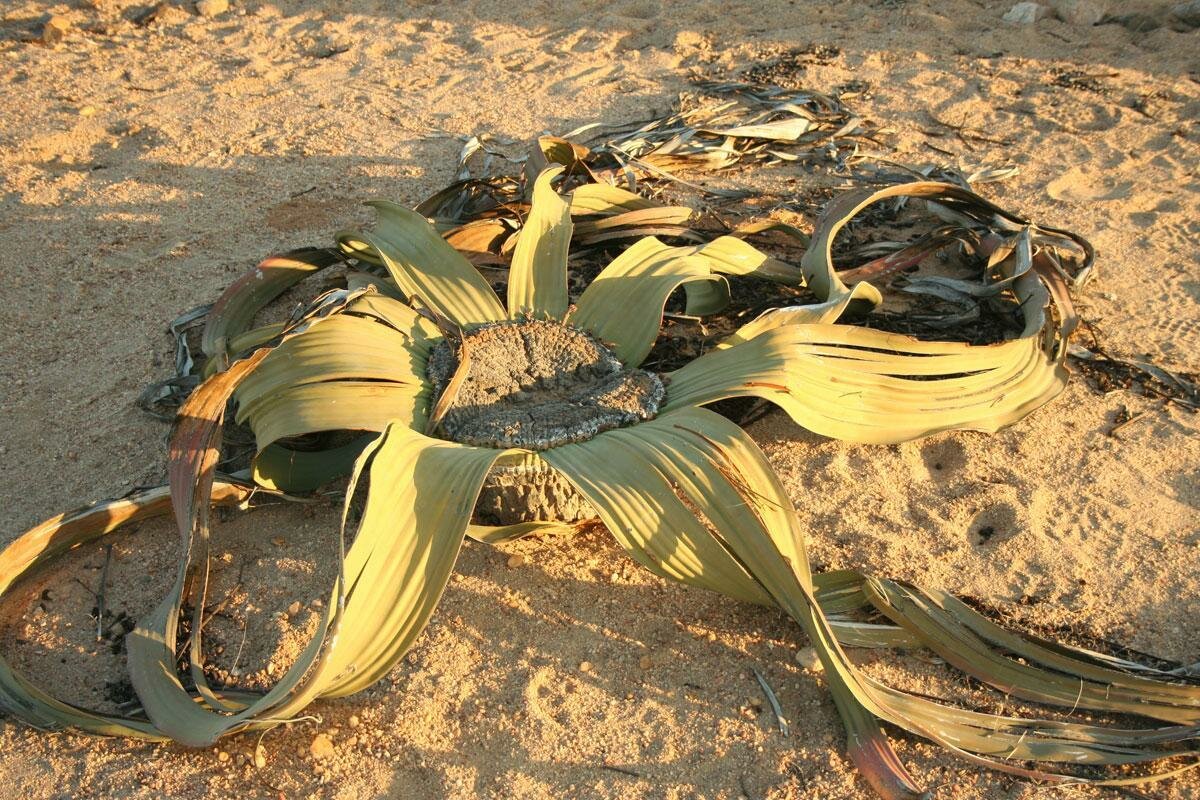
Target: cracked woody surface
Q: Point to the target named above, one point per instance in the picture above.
(686, 492)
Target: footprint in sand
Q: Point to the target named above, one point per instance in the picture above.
(995, 524)
(1006, 509)
(945, 459)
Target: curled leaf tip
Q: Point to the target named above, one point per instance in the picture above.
(881, 768)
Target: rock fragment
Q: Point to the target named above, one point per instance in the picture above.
(1084, 13)
(807, 657)
(211, 8)
(322, 747)
(1025, 14)
(55, 29)
(1188, 13)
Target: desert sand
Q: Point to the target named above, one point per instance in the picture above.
(146, 164)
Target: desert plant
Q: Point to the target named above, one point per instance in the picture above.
(442, 384)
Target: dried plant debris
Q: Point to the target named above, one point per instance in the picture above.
(787, 68)
(1109, 373)
(1081, 80)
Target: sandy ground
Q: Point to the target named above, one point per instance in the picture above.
(143, 167)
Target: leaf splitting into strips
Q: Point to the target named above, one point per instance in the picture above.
(1010, 662)
(633, 221)
(537, 278)
(839, 388)
(425, 266)
(868, 386)
(660, 533)
(45, 542)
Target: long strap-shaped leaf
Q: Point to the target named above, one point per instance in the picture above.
(693, 461)
(355, 370)
(623, 306)
(970, 642)
(233, 313)
(607, 200)
(649, 517)
(424, 266)
(343, 347)
(418, 507)
(537, 278)
(417, 511)
(838, 593)
(43, 544)
(868, 386)
(336, 406)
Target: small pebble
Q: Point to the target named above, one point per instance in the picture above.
(55, 29)
(260, 757)
(211, 8)
(1024, 14)
(321, 747)
(585, 666)
(294, 608)
(353, 721)
(1080, 12)
(807, 657)
(645, 662)
(517, 560)
(223, 757)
